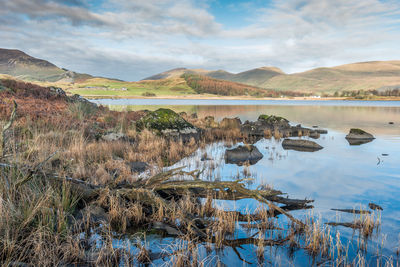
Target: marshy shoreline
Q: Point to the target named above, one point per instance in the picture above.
(75, 176)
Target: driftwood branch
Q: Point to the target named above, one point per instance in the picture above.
(6, 128)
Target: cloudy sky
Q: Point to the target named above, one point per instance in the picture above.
(133, 39)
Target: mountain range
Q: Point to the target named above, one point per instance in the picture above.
(373, 75)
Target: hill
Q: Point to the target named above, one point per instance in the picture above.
(374, 75)
(340, 80)
(25, 67)
(255, 77)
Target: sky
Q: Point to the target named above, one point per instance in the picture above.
(134, 39)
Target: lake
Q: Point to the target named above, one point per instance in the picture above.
(339, 176)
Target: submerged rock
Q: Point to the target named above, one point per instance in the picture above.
(359, 137)
(228, 123)
(242, 154)
(354, 211)
(374, 206)
(168, 123)
(301, 145)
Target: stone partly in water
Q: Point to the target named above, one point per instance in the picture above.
(321, 131)
(243, 154)
(314, 134)
(229, 124)
(359, 137)
(169, 124)
(301, 145)
(374, 206)
(272, 125)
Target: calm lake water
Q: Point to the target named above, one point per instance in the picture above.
(338, 176)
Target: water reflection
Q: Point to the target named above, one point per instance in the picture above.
(340, 117)
(340, 176)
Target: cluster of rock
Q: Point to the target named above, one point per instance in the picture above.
(57, 91)
(272, 124)
(169, 124)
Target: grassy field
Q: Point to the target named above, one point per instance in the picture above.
(106, 87)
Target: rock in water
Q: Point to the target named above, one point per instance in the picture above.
(374, 206)
(169, 124)
(321, 131)
(301, 145)
(358, 137)
(314, 134)
(243, 154)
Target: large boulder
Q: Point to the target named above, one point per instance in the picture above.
(228, 123)
(358, 137)
(359, 134)
(301, 145)
(243, 154)
(273, 120)
(168, 123)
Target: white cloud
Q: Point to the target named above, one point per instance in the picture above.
(132, 39)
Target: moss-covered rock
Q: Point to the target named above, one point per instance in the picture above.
(272, 119)
(357, 131)
(168, 123)
(163, 119)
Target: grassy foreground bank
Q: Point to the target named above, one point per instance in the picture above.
(69, 186)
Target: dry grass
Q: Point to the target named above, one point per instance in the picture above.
(39, 222)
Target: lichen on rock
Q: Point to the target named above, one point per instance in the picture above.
(168, 123)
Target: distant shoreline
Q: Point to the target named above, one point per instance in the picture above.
(206, 97)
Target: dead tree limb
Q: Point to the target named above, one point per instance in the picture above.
(6, 128)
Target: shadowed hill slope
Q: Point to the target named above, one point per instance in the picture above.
(23, 66)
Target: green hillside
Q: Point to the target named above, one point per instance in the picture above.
(375, 75)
